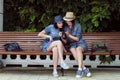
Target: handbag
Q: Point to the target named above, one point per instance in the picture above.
(14, 46)
(100, 46)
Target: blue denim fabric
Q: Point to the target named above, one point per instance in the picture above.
(52, 31)
(76, 31)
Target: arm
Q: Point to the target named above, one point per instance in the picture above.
(44, 35)
(72, 37)
(78, 35)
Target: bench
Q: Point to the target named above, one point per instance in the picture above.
(30, 42)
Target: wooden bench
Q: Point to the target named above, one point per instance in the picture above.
(30, 42)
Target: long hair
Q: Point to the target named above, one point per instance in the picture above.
(56, 27)
(73, 23)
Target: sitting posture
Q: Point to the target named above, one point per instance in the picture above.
(53, 43)
(75, 43)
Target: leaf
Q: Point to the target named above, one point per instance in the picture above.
(85, 1)
(64, 0)
(32, 18)
(31, 1)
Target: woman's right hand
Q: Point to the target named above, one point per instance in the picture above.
(50, 37)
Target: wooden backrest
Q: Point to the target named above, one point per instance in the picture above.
(30, 40)
(111, 38)
(27, 41)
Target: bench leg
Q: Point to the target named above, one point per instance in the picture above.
(1, 64)
(62, 71)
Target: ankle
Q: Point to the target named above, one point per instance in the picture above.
(84, 68)
(80, 69)
(55, 74)
(55, 71)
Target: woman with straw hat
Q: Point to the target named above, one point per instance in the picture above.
(76, 44)
(53, 43)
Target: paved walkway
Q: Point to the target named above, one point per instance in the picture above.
(45, 74)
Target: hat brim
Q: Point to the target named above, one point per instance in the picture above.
(58, 21)
(68, 19)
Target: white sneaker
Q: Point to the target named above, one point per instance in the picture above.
(55, 74)
(64, 66)
(87, 72)
(88, 75)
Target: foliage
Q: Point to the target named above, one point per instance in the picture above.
(35, 15)
(105, 59)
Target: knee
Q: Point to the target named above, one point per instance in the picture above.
(80, 49)
(59, 42)
(55, 50)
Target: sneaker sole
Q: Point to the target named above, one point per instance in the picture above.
(77, 76)
(66, 68)
(55, 76)
(88, 75)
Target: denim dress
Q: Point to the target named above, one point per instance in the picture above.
(51, 31)
(76, 31)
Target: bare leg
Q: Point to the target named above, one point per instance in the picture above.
(80, 61)
(59, 46)
(73, 51)
(55, 58)
(60, 51)
(80, 57)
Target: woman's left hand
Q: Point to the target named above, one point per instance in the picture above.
(60, 34)
(67, 34)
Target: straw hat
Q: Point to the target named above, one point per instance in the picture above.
(69, 16)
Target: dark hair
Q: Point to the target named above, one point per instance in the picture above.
(73, 23)
(55, 25)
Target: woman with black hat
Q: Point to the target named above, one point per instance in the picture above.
(53, 43)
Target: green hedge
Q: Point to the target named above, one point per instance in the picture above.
(34, 15)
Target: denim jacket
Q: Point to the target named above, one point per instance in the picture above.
(76, 31)
(52, 31)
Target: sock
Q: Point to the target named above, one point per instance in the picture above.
(55, 71)
(79, 68)
(84, 68)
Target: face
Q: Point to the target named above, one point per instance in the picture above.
(69, 23)
(60, 24)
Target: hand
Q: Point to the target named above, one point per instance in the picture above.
(50, 37)
(67, 34)
(60, 34)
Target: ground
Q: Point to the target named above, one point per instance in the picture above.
(46, 74)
